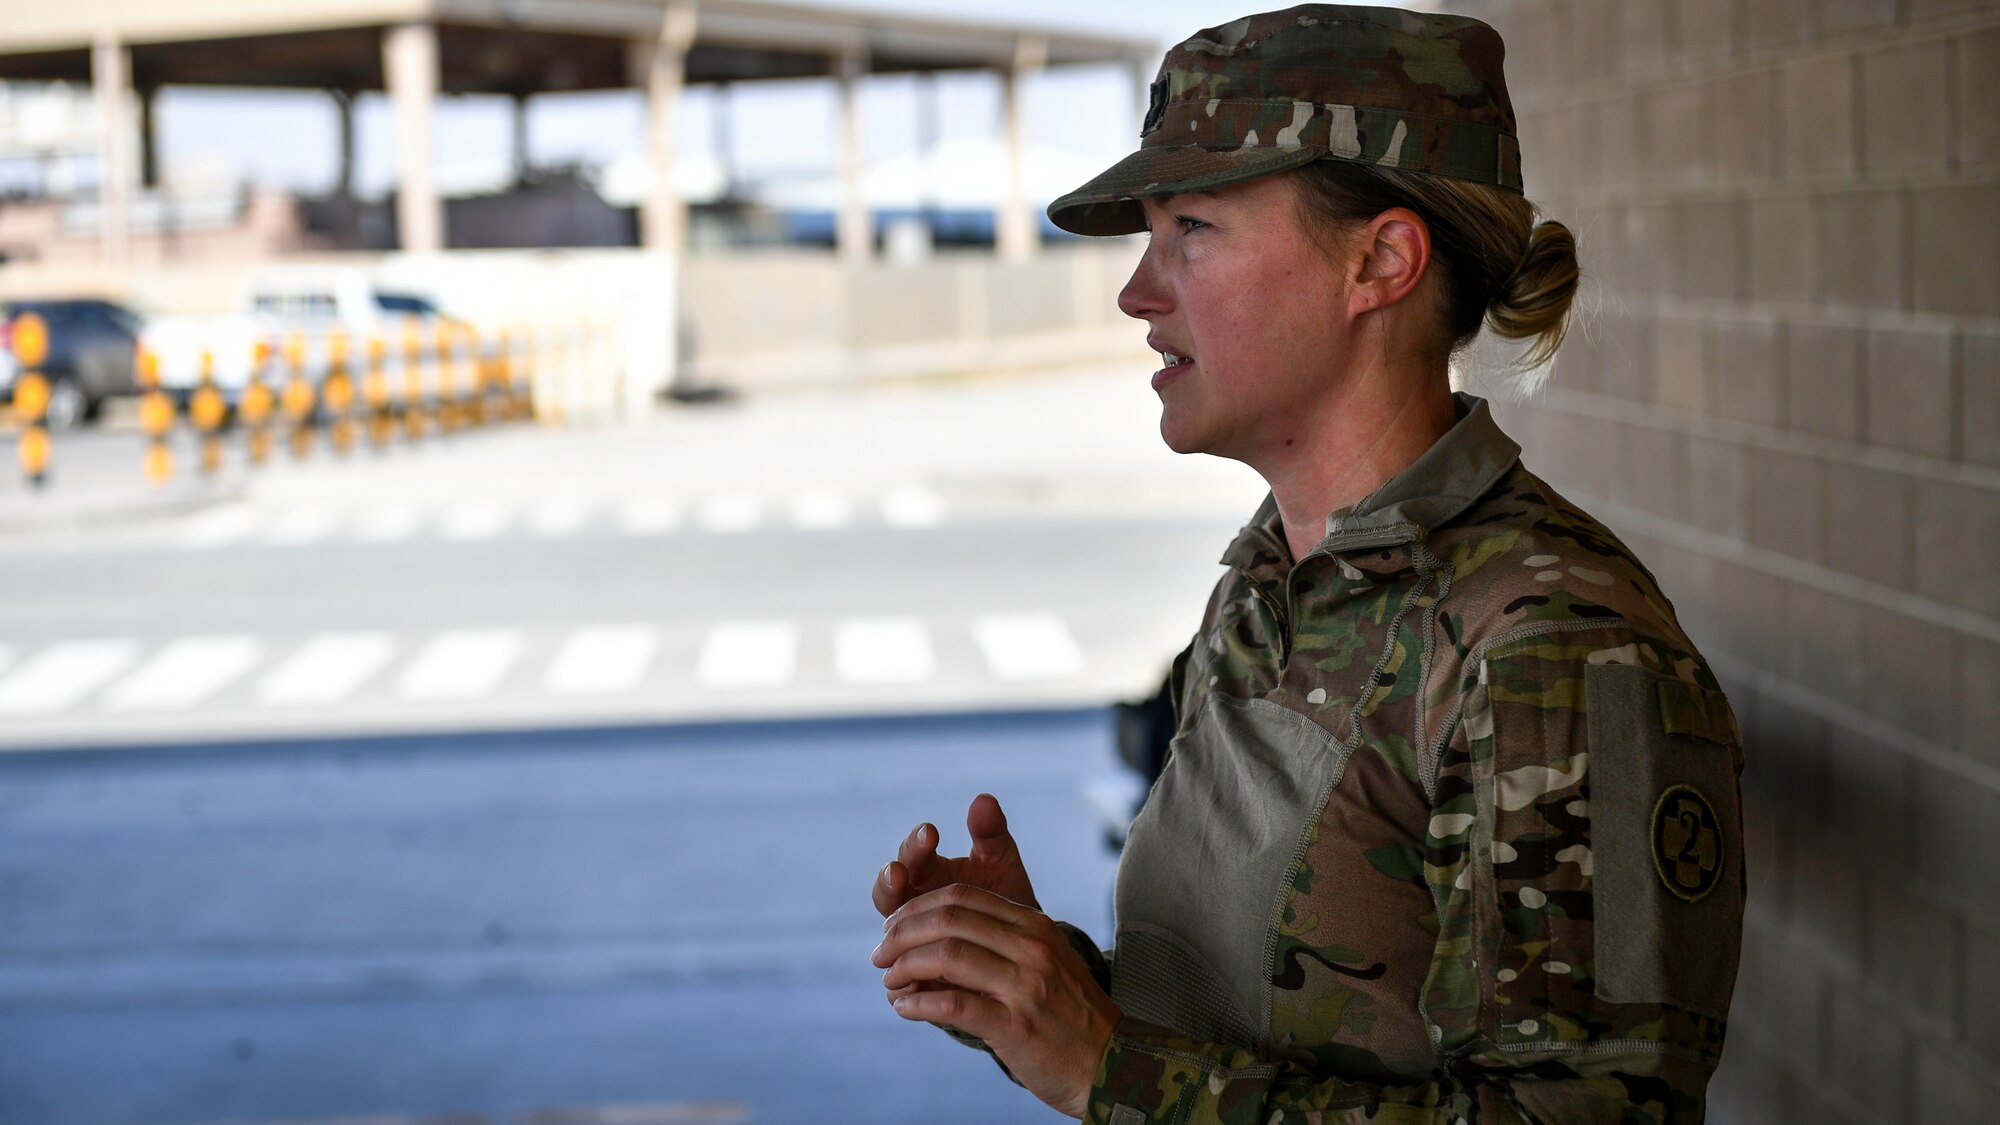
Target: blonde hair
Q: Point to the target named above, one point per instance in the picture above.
(1501, 268)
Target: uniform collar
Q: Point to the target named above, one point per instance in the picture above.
(1456, 470)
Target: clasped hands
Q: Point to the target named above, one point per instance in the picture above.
(967, 946)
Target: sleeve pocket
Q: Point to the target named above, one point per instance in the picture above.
(1666, 840)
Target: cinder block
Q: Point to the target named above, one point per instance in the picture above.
(1788, 504)
(1644, 38)
(1820, 117)
(1904, 658)
(1913, 952)
(1789, 1003)
(1868, 812)
(1951, 1087)
(1828, 910)
(1912, 391)
(1708, 247)
(1744, 118)
(1859, 235)
(1649, 467)
(1868, 524)
(1680, 138)
(1954, 850)
(1777, 23)
(1978, 117)
(1823, 379)
(1767, 840)
(1621, 348)
(1979, 731)
(1930, 9)
(1719, 487)
(1957, 528)
(1869, 1060)
(1620, 138)
(1782, 258)
(1840, 16)
(1748, 374)
(1587, 44)
(1750, 614)
(1751, 1085)
(1982, 991)
(1680, 363)
(1649, 242)
(1784, 758)
(1822, 642)
(1956, 230)
(1708, 30)
(1905, 108)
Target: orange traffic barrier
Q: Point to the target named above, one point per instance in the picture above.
(31, 398)
(208, 411)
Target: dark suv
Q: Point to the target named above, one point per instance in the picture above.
(92, 345)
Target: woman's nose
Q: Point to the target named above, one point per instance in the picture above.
(1143, 295)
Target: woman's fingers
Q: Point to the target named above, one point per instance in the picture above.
(955, 913)
(955, 962)
(891, 889)
(966, 1011)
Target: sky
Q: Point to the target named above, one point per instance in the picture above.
(783, 133)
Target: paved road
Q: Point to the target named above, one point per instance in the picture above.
(641, 926)
(1006, 544)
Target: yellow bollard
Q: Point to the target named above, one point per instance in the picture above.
(375, 395)
(338, 394)
(447, 369)
(208, 411)
(415, 421)
(296, 400)
(156, 419)
(31, 398)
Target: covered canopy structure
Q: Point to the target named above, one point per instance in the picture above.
(417, 50)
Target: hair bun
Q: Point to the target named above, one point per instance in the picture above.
(1534, 300)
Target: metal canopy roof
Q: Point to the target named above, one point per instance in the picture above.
(507, 46)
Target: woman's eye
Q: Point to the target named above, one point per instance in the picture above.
(1186, 223)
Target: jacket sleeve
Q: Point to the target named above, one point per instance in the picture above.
(1585, 856)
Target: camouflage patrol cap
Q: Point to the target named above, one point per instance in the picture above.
(1271, 92)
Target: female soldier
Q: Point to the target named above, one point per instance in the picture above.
(1448, 830)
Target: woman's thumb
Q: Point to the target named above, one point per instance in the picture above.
(988, 826)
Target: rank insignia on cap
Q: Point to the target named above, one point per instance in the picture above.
(1157, 107)
(1687, 843)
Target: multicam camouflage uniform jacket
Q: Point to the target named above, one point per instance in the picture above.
(1449, 830)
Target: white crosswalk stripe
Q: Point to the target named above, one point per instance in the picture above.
(820, 510)
(6, 657)
(551, 519)
(729, 513)
(480, 520)
(300, 526)
(327, 670)
(461, 664)
(913, 506)
(1027, 646)
(602, 660)
(883, 650)
(648, 517)
(218, 526)
(388, 525)
(64, 674)
(184, 673)
(745, 654)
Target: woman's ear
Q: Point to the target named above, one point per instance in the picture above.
(1395, 249)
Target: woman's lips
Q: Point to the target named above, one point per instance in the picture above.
(1166, 374)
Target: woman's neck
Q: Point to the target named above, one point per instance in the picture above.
(1359, 441)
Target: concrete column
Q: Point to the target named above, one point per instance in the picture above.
(520, 123)
(410, 60)
(1015, 230)
(149, 157)
(111, 81)
(854, 230)
(343, 104)
(662, 218)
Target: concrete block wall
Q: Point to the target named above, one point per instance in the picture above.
(1785, 394)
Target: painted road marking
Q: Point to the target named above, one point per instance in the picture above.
(550, 519)
(883, 650)
(218, 526)
(1027, 646)
(648, 517)
(299, 527)
(388, 525)
(731, 513)
(602, 660)
(743, 654)
(461, 664)
(478, 520)
(184, 673)
(61, 675)
(913, 506)
(819, 510)
(6, 657)
(327, 670)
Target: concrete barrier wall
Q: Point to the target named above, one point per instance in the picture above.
(1786, 398)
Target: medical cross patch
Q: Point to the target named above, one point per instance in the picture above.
(1687, 843)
